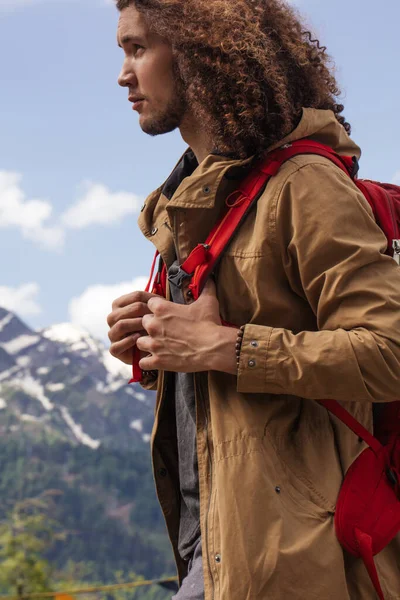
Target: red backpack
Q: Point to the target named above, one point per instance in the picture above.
(367, 515)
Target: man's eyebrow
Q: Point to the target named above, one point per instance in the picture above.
(128, 39)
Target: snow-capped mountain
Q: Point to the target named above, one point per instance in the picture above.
(63, 381)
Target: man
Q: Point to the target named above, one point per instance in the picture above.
(247, 464)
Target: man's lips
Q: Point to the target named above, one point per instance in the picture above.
(136, 102)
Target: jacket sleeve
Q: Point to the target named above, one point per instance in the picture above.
(332, 252)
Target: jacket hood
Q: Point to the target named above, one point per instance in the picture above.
(323, 127)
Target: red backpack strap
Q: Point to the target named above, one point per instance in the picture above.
(137, 373)
(343, 415)
(364, 542)
(157, 286)
(348, 164)
(202, 261)
(153, 266)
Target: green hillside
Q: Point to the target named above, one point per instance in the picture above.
(104, 501)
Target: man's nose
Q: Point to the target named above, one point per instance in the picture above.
(127, 76)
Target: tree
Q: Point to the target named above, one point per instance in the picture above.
(25, 536)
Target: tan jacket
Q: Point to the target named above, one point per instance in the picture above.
(321, 304)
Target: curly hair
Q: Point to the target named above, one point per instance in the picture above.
(248, 67)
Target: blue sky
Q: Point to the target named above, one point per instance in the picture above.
(70, 142)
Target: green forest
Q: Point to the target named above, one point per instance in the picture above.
(72, 517)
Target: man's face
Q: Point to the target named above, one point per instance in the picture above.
(149, 74)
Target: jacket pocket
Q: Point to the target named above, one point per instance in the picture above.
(301, 490)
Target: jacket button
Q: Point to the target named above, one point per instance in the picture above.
(252, 363)
(218, 558)
(278, 489)
(154, 231)
(254, 344)
(206, 189)
(162, 472)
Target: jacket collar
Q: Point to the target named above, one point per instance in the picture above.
(199, 189)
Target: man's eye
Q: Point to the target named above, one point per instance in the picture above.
(137, 48)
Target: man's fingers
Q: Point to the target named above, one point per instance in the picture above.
(145, 343)
(149, 363)
(159, 306)
(124, 328)
(138, 309)
(151, 324)
(132, 298)
(119, 348)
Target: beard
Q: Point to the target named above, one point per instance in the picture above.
(166, 120)
(170, 117)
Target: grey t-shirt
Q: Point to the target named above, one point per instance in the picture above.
(185, 407)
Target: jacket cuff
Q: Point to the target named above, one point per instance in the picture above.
(257, 366)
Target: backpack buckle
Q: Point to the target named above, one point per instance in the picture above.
(177, 278)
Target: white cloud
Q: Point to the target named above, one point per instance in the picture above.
(396, 178)
(91, 308)
(21, 300)
(97, 206)
(30, 216)
(100, 206)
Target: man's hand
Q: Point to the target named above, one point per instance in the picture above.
(125, 322)
(187, 338)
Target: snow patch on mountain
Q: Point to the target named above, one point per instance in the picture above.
(43, 370)
(8, 372)
(31, 419)
(3, 404)
(55, 387)
(137, 425)
(81, 341)
(23, 361)
(77, 430)
(113, 387)
(20, 343)
(76, 337)
(137, 395)
(33, 388)
(6, 320)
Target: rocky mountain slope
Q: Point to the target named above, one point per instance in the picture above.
(70, 423)
(63, 380)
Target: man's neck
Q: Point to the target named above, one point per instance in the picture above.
(198, 140)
